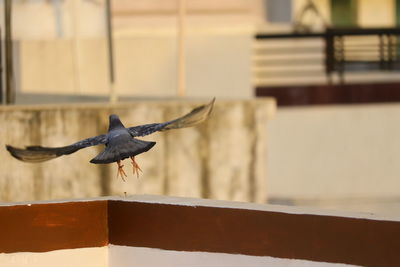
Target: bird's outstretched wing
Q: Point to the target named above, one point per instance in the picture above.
(39, 153)
(194, 117)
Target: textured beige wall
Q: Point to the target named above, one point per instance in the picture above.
(86, 19)
(217, 64)
(377, 13)
(223, 158)
(37, 19)
(74, 60)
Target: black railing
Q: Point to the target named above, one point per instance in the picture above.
(381, 55)
(381, 52)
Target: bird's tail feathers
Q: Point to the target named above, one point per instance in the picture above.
(123, 151)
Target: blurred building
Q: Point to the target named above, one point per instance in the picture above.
(61, 47)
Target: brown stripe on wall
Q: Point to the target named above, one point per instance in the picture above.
(251, 232)
(332, 94)
(51, 226)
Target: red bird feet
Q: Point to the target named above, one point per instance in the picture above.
(136, 167)
(121, 172)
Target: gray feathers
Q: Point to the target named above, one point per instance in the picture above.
(122, 151)
(39, 153)
(194, 117)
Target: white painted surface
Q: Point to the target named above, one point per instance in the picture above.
(324, 153)
(122, 256)
(82, 257)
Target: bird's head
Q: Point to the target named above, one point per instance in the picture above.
(114, 122)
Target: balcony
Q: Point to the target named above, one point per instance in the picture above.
(337, 66)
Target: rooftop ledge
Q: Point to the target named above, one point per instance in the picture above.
(159, 227)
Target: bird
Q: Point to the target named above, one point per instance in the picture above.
(120, 142)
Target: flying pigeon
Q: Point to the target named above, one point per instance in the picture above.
(120, 142)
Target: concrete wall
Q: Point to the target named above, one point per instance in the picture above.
(341, 157)
(223, 158)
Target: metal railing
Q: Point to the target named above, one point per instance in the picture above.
(377, 49)
(305, 56)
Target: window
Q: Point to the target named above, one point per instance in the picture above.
(398, 12)
(344, 13)
(278, 11)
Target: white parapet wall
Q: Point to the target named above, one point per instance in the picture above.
(336, 156)
(124, 256)
(146, 230)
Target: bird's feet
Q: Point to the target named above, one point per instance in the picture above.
(136, 167)
(121, 171)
